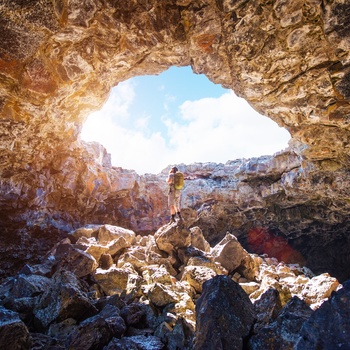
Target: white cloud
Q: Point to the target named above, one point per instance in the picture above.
(222, 129)
(209, 130)
(142, 123)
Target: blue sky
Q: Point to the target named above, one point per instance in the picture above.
(150, 122)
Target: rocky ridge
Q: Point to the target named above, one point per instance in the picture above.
(104, 287)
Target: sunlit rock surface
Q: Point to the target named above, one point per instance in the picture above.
(178, 298)
(289, 60)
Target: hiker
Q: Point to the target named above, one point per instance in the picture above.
(174, 195)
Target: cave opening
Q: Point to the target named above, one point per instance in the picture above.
(149, 122)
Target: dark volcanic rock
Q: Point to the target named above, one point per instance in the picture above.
(283, 332)
(149, 299)
(58, 62)
(328, 327)
(14, 334)
(67, 298)
(97, 331)
(225, 315)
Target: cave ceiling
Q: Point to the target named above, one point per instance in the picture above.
(289, 60)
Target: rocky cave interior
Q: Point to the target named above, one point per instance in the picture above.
(289, 60)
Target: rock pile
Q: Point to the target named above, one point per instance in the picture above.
(104, 287)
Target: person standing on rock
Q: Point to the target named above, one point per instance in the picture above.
(174, 194)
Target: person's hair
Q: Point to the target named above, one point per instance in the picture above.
(175, 169)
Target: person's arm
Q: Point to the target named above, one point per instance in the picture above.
(170, 179)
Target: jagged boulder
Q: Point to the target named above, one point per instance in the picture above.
(198, 241)
(195, 276)
(43, 341)
(115, 235)
(282, 332)
(23, 286)
(319, 288)
(116, 280)
(67, 298)
(328, 327)
(87, 231)
(72, 259)
(225, 315)
(21, 294)
(137, 342)
(266, 308)
(161, 295)
(133, 313)
(97, 331)
(229, 253)
(200, 270)
(172, 237)
(98, 240)
(157, 274)
(14, 334)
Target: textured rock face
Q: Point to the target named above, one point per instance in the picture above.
(58, 62)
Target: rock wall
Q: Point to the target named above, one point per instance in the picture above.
(290, 61)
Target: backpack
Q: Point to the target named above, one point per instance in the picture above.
(179, 182)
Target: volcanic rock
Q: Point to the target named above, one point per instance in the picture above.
(284, 331)
(14, 333)
(225, 315)
(328, 327)
(60, 60)
(174, 299)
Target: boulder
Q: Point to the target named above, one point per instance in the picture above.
(198, 241)
(133, 313)
(72, 259)
(249, 287)
(266, 308)
(135, 256)
(161, 295)
(207, 262)
(229, 253)
(283, 332)
(87, 231)
(225, 315)
(195, 276)
(97, 331)
(157, 274)
(138, 342)
(92, 247)
(29, 285)
(22, 292)
(115, 279)
(328, 327)
(43, 341)
(319, 288)
(171, 237)
(67, 298)
(119, 236)
(14, 334)
(61, 330)
(185, 254)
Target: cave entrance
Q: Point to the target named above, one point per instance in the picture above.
(177, 117)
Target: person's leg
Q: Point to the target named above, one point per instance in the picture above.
(171, 202)
(177, 204)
